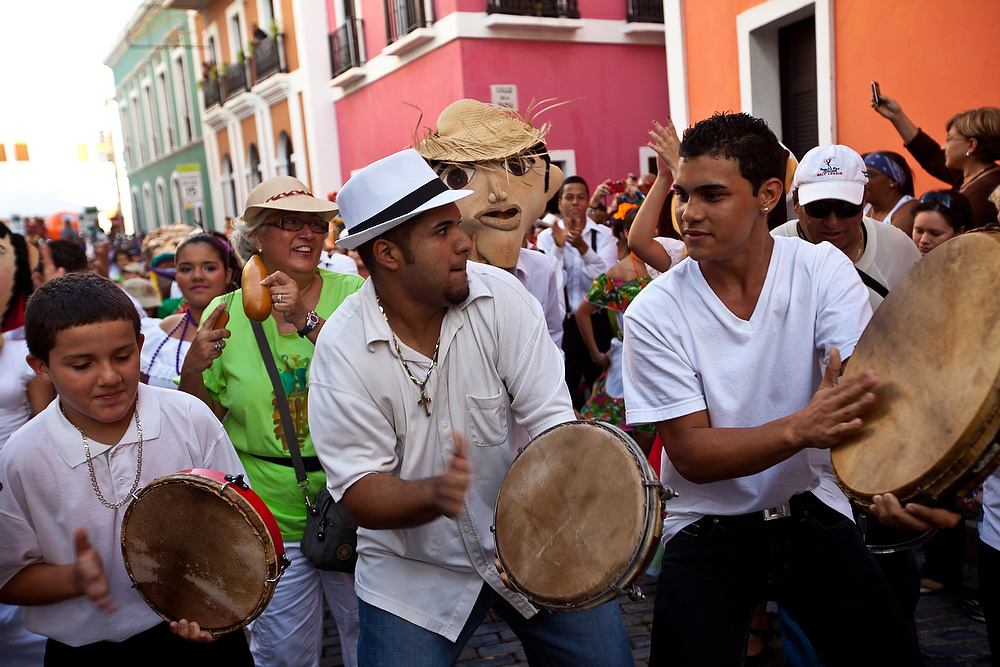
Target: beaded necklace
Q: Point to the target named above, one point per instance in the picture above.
(177, 362)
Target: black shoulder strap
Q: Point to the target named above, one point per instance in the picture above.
(872, 284)
(593, 240)
(282, 401)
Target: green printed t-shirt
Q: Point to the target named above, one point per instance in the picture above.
(240, 382)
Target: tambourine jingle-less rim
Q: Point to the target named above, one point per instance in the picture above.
(566, 472)
(221, 578)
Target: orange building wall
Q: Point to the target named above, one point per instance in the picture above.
(249, 128)
(713, 63)
(938, 59)
(280, 120)
(222, 141)
(288, 28)
(935, 58)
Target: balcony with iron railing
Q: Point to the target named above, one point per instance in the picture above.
(237, 80)
(268, 57)
(644, 11)
(345, 47)
(213, 92)
(403, 17)
(543, 8)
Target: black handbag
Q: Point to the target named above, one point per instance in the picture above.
(330, 540)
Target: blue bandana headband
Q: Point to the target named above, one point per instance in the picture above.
(886, 166)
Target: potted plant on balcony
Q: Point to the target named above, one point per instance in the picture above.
(240, 56)
(273, 29)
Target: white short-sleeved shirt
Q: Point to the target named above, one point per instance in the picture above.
(541, 275)
(497, 369)
(685, 352)
(47, 492)
(579, 270)
(15, 374)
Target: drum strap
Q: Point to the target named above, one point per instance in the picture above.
(282, 403)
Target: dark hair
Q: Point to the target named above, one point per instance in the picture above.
(23, 286)
(73, 300)
(68, 255)
(569, 180)
(221, 248)
(740, 137)
(957, 212)
(398, 235)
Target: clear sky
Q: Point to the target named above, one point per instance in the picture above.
(53, 83)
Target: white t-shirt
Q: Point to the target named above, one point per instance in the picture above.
(685, 352)
(162, 356)
(15, 374)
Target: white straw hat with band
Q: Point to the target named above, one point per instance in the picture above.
(389, 192)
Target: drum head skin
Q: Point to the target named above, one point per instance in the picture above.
(571, 514)
(197, 554)
(933, 344)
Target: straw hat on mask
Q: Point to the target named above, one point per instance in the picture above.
(473, 131)
(284, 193)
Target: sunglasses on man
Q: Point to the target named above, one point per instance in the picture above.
(290, 224)
(824, 207)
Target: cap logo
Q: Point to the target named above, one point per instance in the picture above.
(290, 193)
(830, 169)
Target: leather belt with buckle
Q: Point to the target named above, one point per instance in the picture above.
(780, 512)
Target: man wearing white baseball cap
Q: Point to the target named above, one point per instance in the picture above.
(828, 196)
(418, 381)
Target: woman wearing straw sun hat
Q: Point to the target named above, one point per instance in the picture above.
(285, 225)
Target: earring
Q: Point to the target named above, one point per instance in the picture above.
(967, 154)
(766, 209)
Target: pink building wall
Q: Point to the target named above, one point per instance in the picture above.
(613, 93)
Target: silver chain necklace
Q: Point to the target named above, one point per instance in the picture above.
(425, 400)
(90, 461)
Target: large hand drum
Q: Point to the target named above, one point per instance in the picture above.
(934, 343)
(578, 516)
(200, 545)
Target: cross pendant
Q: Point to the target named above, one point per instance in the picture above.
(425, 401)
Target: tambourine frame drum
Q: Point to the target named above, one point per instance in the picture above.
(578, 516)
(200, 545)
(932, 433)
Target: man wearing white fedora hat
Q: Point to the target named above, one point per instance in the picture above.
(418, 381)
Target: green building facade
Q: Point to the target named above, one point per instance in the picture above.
(154, 63)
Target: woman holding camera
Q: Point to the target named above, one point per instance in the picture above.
(966, 160)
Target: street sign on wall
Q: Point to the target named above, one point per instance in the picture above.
(189, 180)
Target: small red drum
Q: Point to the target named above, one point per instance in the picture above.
(200, 545)
(933, 342)
(578, 516)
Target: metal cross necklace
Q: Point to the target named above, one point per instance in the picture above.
(425, 400)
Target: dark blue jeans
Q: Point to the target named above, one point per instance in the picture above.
(592, 637)
(814, 564)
